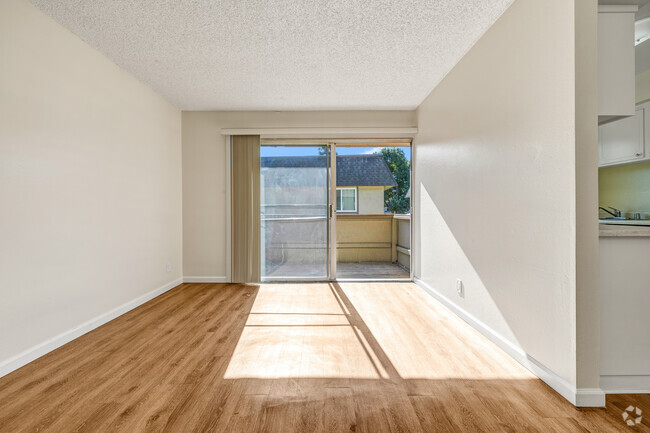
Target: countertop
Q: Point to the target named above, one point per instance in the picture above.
(609, 230)
(625, 222)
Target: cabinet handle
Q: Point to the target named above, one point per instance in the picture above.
(638, 154)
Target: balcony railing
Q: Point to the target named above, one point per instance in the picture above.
(299, 236)
(373, 238)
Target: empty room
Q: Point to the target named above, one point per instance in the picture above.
(339, 216)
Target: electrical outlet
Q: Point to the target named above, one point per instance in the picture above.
(459, 288)
(169, 267)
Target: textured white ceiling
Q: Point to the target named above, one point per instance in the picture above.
(282, 55)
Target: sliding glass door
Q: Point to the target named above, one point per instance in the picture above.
(326, 218)
(294, 207)
(373, 211)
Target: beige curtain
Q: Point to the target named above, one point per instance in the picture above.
(245, 197)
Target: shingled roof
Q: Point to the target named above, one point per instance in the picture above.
(351, 170)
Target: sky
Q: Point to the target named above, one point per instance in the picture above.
(313, 150)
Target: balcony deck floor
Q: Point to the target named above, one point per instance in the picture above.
(370, 271)
(344, 271)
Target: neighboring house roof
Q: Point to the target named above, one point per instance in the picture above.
(351, 170)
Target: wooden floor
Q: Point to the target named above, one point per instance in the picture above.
(291, 358)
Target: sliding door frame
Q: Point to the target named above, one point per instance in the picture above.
(331, 151)
(389, 142)
(330, 146)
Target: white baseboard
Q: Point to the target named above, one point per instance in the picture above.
(29, 355)
(578, 397)
(625, 384)
(590, 397)
(206, 280)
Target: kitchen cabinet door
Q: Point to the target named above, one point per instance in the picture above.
(616, 94)
(622, 141)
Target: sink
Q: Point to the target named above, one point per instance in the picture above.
(624, 222)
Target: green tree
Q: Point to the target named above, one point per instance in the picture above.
(400, 167)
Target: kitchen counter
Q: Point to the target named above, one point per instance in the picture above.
(609, 230)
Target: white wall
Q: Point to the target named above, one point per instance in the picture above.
(495, 182)
(586, 201)
(90, 185)
(204, 173)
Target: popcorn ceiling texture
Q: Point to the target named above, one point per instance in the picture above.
(282, 55)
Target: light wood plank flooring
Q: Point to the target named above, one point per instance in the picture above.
(291, 358)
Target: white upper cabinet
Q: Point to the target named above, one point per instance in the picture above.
(622, 141)
(615, 62)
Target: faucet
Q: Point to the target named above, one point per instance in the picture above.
(614, 212)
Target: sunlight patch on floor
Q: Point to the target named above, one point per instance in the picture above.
(301, 331)
(363, 331)
(422, 339)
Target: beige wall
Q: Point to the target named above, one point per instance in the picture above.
(90, 184)
(371, 199)
(365, 238)
(495, 182)
(204, 172)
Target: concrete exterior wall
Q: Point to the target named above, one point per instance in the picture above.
(370, 200)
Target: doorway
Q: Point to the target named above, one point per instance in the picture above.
(329, 218)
